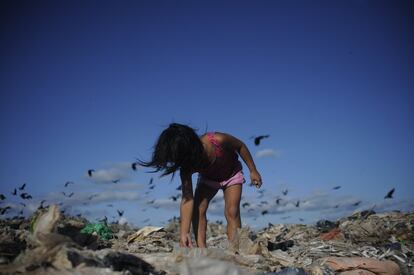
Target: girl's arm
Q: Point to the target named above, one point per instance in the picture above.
(244, 153)
(186, 208)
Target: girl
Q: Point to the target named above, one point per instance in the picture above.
(215, 157)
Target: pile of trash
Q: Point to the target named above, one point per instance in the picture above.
(365, 243)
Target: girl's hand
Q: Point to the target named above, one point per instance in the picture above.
(255, 178)
(185, 241)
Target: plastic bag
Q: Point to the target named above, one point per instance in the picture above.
(102, 230)
(348, 264)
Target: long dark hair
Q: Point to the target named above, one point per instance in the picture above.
(178, 147)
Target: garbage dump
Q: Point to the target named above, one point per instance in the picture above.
(52, 243)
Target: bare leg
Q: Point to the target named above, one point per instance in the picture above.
(232, 196)
(202, 196)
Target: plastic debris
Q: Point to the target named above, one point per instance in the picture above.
(56, 245)
(358, 264)
(333, 234)
(281, 245)
(45, 223)
(325, 225)
(102, 230)
(290, 271)
(207, 266)
(143, 233)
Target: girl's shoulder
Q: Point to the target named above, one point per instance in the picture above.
(227, 140)
(219, 136)
(215, 137)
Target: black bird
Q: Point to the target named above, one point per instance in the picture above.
(104, 220)
(173, 219)
(259, 138)
(152, 187)
(4, 210)
(300, 219)
(41, 204)
(116, 181)
(92, 196)
(21, 188)
(134, 166)
(26, 196)
(336, 187)
(120, 212)
(174, 198)
(70, 195)
(278, 200)
(150, 202)
(357, 203)
(178, 188)
(2, 197)
(336, 206)
(264, 212)
(68, 182)
(14, 192)
(90, 171)
(151, 181)
(297, 203)
(285, 192)
(389, 194)
(245, 204)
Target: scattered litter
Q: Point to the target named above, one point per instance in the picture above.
(325, 225)
(100, 229)
(51, 242)
(281, 245)
(366, 264)
(334, 233)
(143, 233)
(290, 271)
(46, 222)
(207, 266)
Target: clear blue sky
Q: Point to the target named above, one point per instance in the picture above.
(91, 84)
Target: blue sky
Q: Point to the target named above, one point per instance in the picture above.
(91, 84)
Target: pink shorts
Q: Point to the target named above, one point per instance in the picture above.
(238, 178)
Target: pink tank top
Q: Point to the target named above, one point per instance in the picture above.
(217, 147)
(225, 165)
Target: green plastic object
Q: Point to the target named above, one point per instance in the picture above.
(103, 231)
